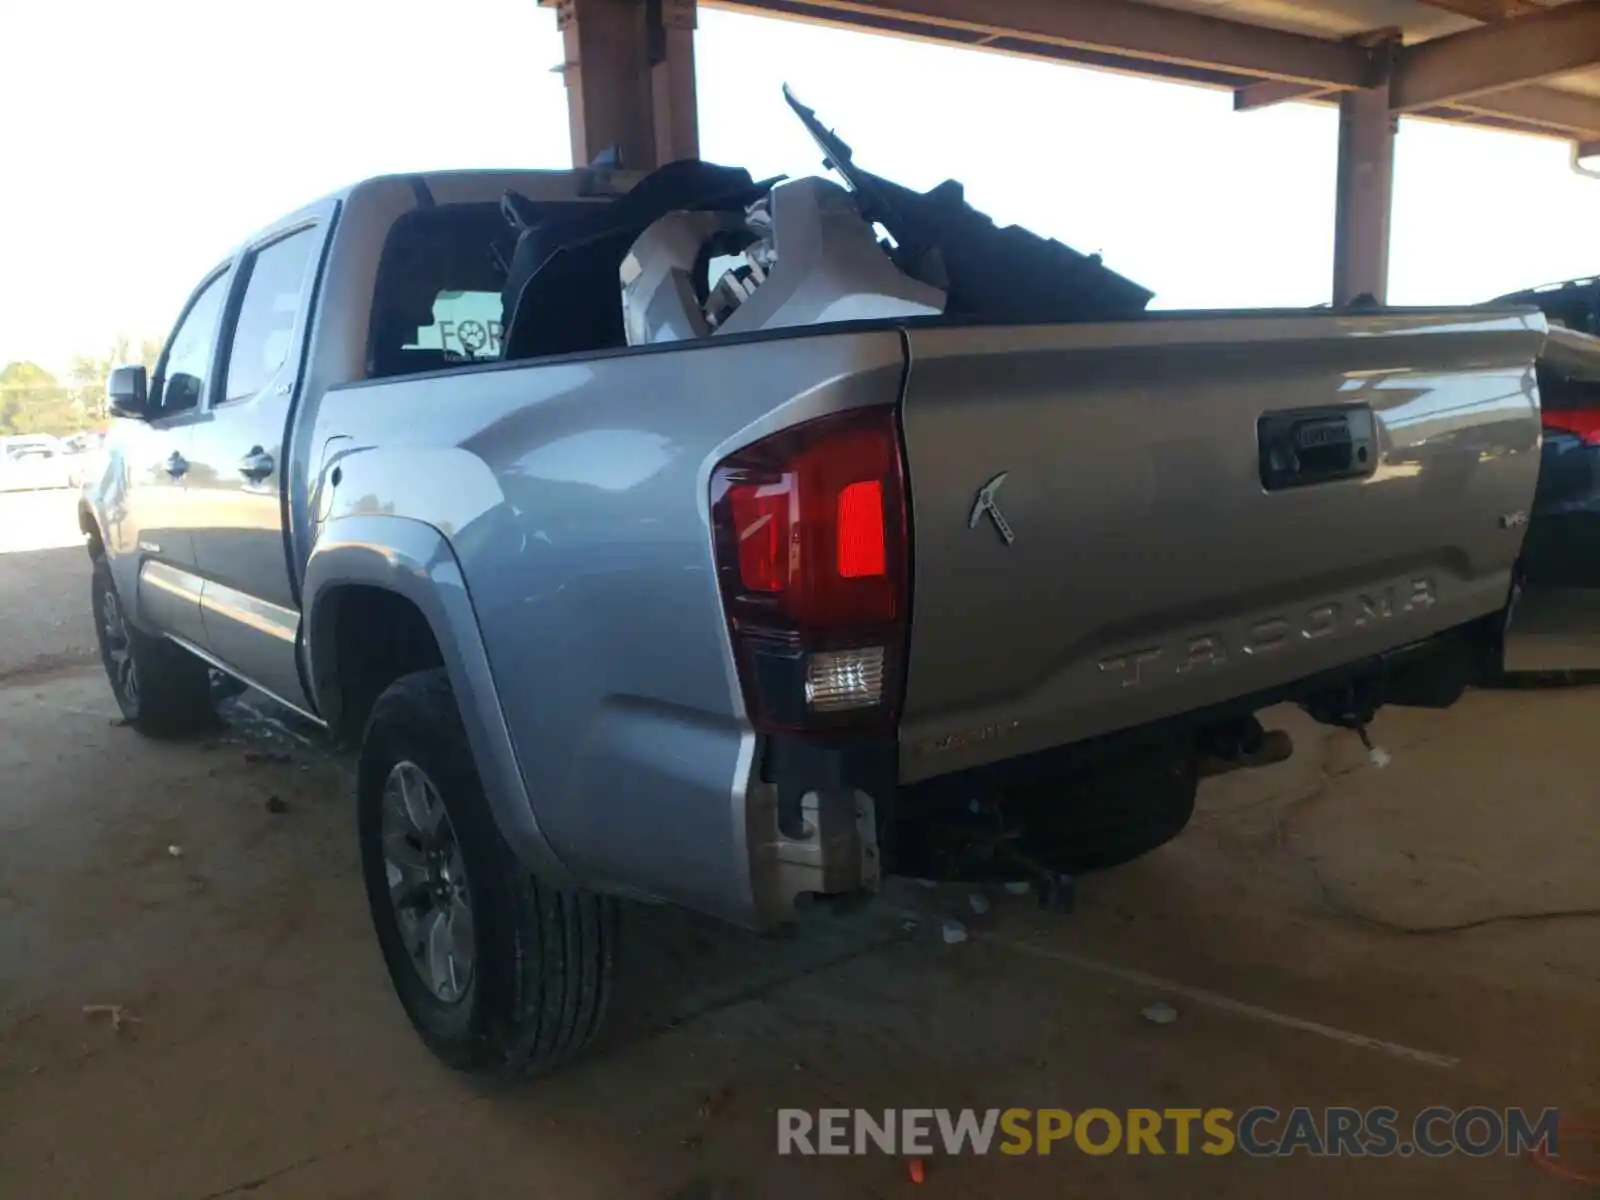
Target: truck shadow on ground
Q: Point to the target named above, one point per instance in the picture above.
(1322, 839)
(673, 965)
(678, 966)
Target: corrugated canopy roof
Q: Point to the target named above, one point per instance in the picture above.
(1526, 65)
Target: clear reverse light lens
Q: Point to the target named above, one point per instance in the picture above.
(843, 679)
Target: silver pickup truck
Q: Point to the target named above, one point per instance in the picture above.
(961, 571)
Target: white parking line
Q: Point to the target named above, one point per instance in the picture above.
(1226, 1003)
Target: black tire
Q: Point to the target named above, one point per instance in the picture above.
(542, 958)
(1112, 816)
(162, 689)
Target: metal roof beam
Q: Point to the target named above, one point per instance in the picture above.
(1523, 50)
(1486, 11)
(1122, 36)
(1559, 112)
(1528, 109)
(1139, 31)
(1381, 48)
(1275, 91)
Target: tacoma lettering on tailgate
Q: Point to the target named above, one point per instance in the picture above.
(1213, 649)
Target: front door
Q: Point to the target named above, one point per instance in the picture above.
(239, 462)
(150, 520)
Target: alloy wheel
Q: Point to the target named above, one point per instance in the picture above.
(427, 882)
(119, 648)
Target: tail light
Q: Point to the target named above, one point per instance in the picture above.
(812, 555)
(1581, 423)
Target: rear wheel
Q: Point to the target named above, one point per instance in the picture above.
(162, 689)
(497, 972)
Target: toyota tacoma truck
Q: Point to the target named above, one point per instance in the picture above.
(719, 542)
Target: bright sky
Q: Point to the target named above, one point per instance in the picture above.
(144, 138)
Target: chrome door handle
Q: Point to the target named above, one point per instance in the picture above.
(177, 465)
(256, 465)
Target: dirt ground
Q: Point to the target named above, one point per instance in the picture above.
(44, 611)
(1328, 932)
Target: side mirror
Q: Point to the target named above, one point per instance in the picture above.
(127, 393)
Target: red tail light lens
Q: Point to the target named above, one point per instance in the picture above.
(863, 553)
(1582, 423)
(761, 517)
(811, 544)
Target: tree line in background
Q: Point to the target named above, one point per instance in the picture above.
(32, 400)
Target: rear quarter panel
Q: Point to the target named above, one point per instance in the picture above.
(575, 496)
(1151, 572)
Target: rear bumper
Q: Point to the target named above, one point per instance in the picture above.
(815, 813)
(831, 812)
(832, 818)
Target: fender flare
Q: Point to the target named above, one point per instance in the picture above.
(92, 524)
(88, 519)
(414, 560)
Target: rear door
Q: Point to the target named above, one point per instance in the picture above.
(1555, 619)
(239, 460)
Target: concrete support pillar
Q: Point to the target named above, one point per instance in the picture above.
(629, 69)
(677, 112)
(1366, 192)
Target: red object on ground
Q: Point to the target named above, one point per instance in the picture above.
(1588, 1131)
(918, 1171)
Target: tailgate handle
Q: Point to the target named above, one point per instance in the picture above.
(1303, 446)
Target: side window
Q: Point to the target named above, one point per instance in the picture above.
(263, 331)
(188, 360)
(437, 299)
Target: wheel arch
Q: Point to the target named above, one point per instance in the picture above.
(89, 526)
(394, 566)
(362, 638)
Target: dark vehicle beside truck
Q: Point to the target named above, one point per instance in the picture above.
(1557, 626)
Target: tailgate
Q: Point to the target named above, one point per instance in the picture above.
(1100, 541)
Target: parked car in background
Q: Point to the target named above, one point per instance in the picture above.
(1572, 304)
(83, 443)
(87, 456)
(38, 461)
